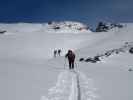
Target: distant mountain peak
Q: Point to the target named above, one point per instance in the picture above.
(68, 26)
(50, 27)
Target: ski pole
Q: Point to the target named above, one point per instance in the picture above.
(65, 63)
(76, 65)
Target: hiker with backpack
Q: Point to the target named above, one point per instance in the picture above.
(55, 53)
(71, 58)
(59, 52)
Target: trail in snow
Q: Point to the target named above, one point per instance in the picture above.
(71, 85)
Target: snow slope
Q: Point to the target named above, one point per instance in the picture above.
(71, 85)
(28, 69)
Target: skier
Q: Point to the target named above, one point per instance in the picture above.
(59, 52)
(71, 58)
(55, 53)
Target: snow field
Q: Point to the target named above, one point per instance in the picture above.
(72, 85)
(28, 69)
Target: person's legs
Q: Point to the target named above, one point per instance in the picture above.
(70, 64)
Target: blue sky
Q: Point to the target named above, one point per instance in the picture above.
(87, 11)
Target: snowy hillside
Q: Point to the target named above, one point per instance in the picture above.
(51, 27)
(28, 69)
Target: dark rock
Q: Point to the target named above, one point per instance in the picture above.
(131, 50)
(81, 59)
(56, 27)
(2, 32)
(117, 52)
(130, 69)
(104, 27)
(90, 60)
(107, 54)
(97, 58)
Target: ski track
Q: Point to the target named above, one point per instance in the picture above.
(71, 85)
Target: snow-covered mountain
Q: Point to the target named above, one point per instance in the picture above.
(50, 27)
(105, 27)
(28, 69)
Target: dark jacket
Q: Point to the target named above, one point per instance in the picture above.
(71, 56)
